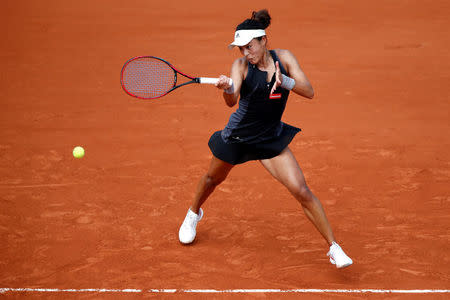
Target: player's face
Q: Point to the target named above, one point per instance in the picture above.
(254, 50)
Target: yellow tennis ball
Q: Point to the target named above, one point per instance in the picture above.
(78, 152)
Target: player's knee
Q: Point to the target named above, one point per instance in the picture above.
(302, 193)
(213, 180)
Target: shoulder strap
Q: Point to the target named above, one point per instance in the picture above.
(275, 58)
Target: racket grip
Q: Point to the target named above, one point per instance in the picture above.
(207, 80)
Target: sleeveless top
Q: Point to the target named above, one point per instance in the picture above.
(258, 117)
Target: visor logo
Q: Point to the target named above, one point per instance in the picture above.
(237, 35)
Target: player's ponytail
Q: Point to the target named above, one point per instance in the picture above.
(260, 20)
(262, 16)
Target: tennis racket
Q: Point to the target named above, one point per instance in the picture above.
(150, 77)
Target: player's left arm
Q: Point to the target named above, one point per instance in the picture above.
(302, 85)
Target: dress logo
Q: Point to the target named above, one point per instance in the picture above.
(275, 96)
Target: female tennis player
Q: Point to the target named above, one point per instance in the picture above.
(262, 79)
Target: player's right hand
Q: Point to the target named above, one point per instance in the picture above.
(223, 83)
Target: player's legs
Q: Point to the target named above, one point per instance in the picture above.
(217, 172)
(285, 169)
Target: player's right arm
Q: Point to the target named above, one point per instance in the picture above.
(237, 75)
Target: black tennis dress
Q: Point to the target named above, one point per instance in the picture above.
(255, 130)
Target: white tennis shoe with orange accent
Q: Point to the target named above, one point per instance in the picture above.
(338, 256)
(188, 231)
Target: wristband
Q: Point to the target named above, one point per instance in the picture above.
(230, 90)
(287, 83)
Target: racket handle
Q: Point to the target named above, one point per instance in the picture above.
(208, 80)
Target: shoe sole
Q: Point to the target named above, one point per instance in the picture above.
(344, 266)
(183, 243)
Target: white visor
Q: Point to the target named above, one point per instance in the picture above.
(244, 36)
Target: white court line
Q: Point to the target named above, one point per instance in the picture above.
(39, 185)
(211, 291)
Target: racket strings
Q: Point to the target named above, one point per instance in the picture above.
(148, 77)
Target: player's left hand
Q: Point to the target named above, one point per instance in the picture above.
(278, 78)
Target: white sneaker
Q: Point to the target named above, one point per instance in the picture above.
(338, 257)
(187, 230)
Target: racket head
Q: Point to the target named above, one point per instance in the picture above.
(147, 77)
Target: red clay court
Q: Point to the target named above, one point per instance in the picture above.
(375, 149)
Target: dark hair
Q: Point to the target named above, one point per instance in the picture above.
(259, 20)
